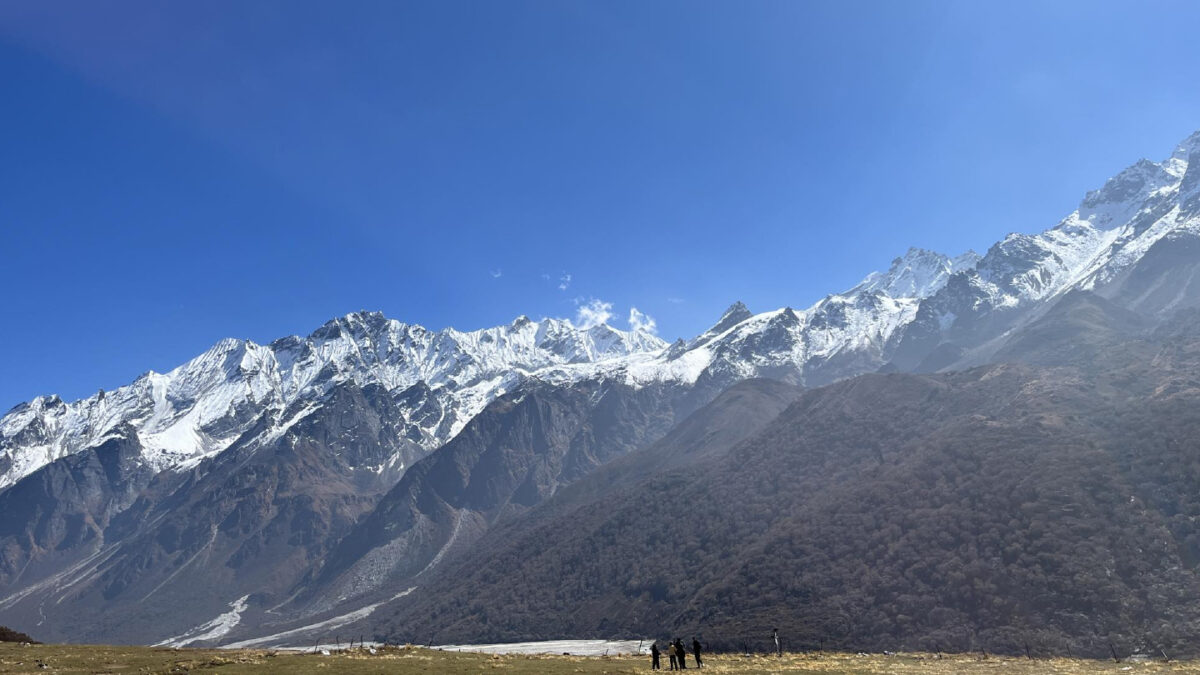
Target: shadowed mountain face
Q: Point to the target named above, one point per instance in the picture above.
(1083, 330)
(742, 410)
(521, 450)
(1052, 504)
(249, 522)
(538, 443)
(60, 512)
(1165, 279)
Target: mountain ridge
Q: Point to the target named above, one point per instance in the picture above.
(381, 450)
(199, 408)
(902, 314)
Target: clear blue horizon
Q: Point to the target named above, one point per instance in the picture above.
(177, 173)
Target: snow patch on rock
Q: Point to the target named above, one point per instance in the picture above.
(213, 630)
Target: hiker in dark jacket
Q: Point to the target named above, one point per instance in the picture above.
(654, 656)
(681, 654)
(696, 652)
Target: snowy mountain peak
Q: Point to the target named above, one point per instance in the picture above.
(1186, 148)
(737, 309)
(919, 273)
(1124, 193)
(203, 406)
(1187, 157)
(737, 313)
(1111, 231)
(356, 323)
(924, 297)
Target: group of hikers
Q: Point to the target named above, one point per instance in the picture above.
(677, 653)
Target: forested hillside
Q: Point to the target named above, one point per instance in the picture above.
(1049, 501)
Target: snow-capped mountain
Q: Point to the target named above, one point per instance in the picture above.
(440, 380)
(840, 335)
(1112, 229)
(316, 472)
(919, 274)
(1135, 239)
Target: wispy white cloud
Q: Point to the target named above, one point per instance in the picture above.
(497, 273)
(592, 313)
(675, 301)
(564, 281)
(640, 321)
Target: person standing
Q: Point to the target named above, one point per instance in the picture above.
(654, 665)
(671, 655)
(778, 647)
(696, 651)
(681, 654)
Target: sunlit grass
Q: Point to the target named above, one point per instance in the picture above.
(111, 659)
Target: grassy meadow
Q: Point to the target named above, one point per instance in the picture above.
(15, 658)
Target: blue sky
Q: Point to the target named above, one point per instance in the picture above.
(175, 173)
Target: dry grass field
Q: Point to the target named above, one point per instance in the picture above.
(15, 658)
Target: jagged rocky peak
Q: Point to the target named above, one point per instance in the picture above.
(1189, 147)
(1187, 156)
(919, 273)
(737, 313)
(1140, 189)
(38, 403)
(358, 323)
(1130, 184)
(567, 342)
(677, 349)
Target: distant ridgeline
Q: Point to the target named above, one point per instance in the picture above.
(977, 452)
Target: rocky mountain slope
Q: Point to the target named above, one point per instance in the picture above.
(518, 452)
(104, 549)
